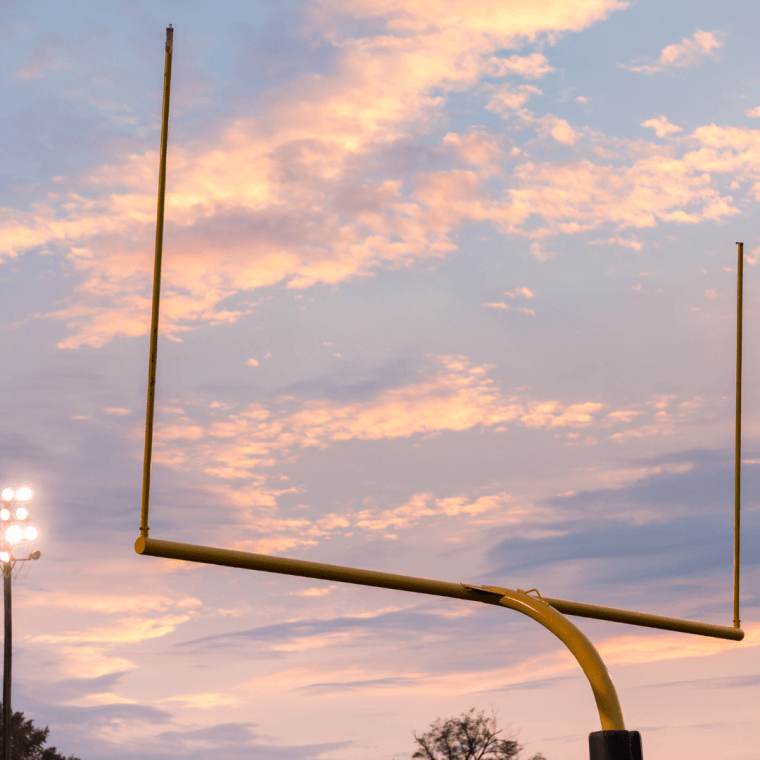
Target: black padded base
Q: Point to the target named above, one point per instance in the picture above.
(615, 745)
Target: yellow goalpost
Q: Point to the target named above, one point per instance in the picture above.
(613, 742)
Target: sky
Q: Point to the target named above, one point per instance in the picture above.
(449, 290)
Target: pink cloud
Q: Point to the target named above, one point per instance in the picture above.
(457, 396)
(532, 66)
(507, 98)
(46, 59)
(661, 126)
(284, 197)
(688, 52)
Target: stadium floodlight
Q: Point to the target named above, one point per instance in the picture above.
(14, 534)
(17, 531)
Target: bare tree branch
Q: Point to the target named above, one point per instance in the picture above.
(471, 736)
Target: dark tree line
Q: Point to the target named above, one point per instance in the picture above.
(27, 740)
(471, 736)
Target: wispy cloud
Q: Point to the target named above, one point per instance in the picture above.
(688, 52)
(522, 292)
(129, 630)
(48, 57)
(204, 700)
(458, 397)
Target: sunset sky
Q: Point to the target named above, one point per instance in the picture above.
(449, 290)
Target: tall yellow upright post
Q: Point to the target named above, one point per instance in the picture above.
(738, 447)
(156, 286)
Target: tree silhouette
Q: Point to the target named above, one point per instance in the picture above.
(471, 736)
(27, 740)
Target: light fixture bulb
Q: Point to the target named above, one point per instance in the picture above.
(4, 514)
(13, 535)
(24, 494)
(30, 533)
(5, 557)
(8, 494)
(22, 513)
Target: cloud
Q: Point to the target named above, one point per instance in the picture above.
(226, 740)
(122, 732)
(338, 687)
(727, 682)
(665, 524)
(317, 633)
(661, 126)
(533, 66)
(581, 195)
(458, 396)
(127, 630)
(316, 591)
(638, 649)
(106, 603)
(204, 700)
(47, 58)
(477, 148)
(508, 307)
(244, 451)
(508, 98)
(240, 197)
(117, 411)
(451, 395)
(633, 243)
(556, 128)
(688, 52)
(285, 196)
(526, 671)
(679, 183)
(274, 532)
(521, 292)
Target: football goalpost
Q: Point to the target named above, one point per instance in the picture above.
(613, 741)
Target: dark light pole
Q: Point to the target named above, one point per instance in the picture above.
(7, 567)
(17, 532)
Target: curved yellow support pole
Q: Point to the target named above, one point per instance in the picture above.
(605, 694)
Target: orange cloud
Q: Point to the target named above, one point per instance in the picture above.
(688, 52)
(532, 66)
(277, 534)
(458, 397)
(508, 98)
(657, 647)
(282, 197)
(128, 630)
(661, 126)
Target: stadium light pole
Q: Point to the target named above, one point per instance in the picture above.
(17, 532)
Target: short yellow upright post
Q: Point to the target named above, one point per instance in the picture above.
(738, 444)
